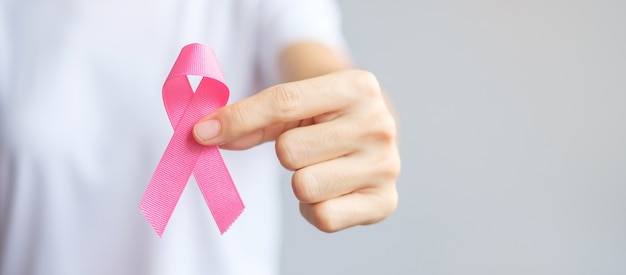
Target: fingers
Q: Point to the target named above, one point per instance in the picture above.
(332, 179)
(285, 103)
(304, 146)
(359, 208)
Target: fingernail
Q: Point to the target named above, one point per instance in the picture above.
(206, 130)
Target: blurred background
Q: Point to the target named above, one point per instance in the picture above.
(513, 140)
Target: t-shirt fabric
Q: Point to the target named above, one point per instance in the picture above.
(82, 128)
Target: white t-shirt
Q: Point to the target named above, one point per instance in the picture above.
(82, 128)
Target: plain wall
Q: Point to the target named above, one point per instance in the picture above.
(513, 140)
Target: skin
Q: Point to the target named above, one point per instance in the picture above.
(333, 127)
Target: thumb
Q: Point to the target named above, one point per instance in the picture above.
(210, 127)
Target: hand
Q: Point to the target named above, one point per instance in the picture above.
(334, 131)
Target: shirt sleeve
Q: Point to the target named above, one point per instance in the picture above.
(284, 22)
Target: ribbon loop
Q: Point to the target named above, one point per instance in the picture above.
(183, 155)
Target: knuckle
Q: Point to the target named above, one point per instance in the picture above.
(366, 82)
(386, 204)
(234, 116)
(389, 164)
(287, 151)
(391, 202)
(378, 125)
(384, 128)
(286, 101)
(381, 137)
(323, 219)
(305, 187)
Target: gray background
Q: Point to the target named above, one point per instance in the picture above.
(513, 140)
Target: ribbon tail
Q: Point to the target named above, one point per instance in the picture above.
(217, 188)
(170, 178)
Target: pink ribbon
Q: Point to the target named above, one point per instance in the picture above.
(183, 154)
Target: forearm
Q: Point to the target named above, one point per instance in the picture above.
(309, 59)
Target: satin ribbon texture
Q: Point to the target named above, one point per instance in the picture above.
(183, 155)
